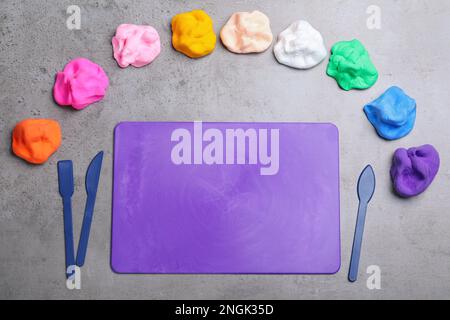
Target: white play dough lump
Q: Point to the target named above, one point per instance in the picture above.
(300, 46)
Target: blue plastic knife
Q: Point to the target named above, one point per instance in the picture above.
(366, 189)
(65, 180)
(92, 180)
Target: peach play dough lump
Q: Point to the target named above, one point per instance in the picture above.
(81, 83)
(193, 34)
(135, 45)
(247, 32)
(35, 140)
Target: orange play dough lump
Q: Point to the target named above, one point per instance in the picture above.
(193, 33)
(35, 140)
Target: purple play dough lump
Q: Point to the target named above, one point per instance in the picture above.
(413, 170)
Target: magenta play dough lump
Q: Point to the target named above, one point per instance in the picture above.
(135, 45)
(414, 170)
(81, 83)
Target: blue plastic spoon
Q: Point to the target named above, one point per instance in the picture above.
(366, 189)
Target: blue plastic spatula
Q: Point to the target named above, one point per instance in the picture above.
(366, 189)
(65, 180)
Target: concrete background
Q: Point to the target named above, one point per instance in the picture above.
(409, 240)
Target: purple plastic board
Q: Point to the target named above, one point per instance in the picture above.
(208, 198)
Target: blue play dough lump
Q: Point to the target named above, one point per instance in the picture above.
(393, 114)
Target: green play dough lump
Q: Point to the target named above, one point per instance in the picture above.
(351, 66)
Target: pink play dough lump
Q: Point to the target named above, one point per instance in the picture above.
(135, 45)
(80, 84)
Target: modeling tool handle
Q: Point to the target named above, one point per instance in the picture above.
(357, 242)
(68, 232)
(85, 230)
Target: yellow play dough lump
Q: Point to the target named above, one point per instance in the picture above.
(193, 33)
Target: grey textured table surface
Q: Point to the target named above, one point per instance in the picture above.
(409, 240)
